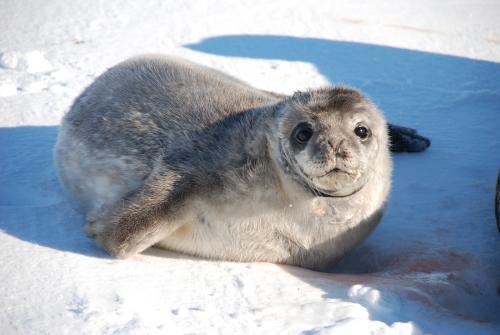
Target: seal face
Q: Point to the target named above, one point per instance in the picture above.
(162, 152)
(329, 138)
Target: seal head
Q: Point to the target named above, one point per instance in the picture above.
(329, 139)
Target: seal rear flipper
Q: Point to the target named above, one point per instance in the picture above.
(405, 139)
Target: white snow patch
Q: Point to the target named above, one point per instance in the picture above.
(35, 62)
(34, 87)
(7, 88)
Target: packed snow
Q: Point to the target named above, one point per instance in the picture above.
(432, 266)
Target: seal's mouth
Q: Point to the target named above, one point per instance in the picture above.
(300, 177)
(336, 170)
(333, 194)
(318, 191)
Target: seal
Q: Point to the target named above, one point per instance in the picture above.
(159, 151)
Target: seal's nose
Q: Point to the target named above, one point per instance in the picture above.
(341, 150)
(338, 147)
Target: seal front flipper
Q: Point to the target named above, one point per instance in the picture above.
(405, 139)
(142, 219)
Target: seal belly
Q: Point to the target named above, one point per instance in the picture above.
(216, 236)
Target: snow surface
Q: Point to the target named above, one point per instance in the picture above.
(433, 265)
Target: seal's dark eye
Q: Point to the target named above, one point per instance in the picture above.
(362, 132)
(302, 133)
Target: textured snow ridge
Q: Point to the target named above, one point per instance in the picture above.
(430, 268)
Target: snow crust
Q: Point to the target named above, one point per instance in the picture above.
(432, 267)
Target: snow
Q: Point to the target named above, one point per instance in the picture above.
(430, 267)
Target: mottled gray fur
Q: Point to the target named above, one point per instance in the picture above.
(161, 151)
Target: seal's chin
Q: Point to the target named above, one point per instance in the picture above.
(342, 193)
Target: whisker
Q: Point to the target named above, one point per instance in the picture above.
(305, 180)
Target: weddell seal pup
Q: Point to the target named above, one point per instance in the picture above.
(161, 151)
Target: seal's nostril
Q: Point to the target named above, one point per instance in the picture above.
(330, 143)
(340, 149)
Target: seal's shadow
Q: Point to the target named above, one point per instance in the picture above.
(397, 79)
(33, 207)
(436, 195)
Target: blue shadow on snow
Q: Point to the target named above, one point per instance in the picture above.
(33, 206)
